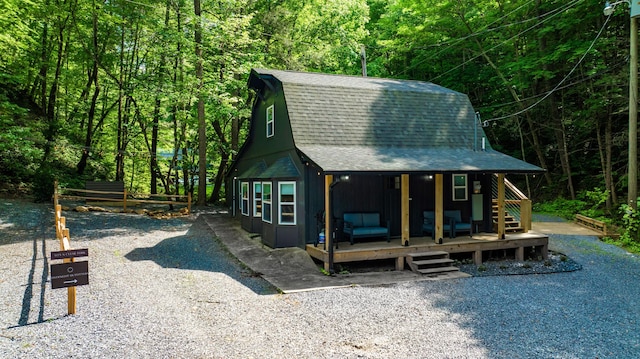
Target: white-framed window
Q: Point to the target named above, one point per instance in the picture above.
(459, 186)
(244, 198)
(270, 119)
(266, 202)
(257, 199)
(287, 203)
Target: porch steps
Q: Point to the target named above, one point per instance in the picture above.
(511, 225)
(431, 263)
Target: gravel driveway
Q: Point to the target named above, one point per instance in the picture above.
(167, 289)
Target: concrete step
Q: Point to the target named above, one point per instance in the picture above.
(432, 262)
(429, 254)
(438, 270)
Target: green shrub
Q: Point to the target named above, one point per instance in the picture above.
(561, 207)
(630, 224)
(43, 184)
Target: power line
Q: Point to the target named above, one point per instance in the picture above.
(557, 12)
(549, 93)
(577, 82)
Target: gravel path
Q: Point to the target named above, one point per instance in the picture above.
(166, 289)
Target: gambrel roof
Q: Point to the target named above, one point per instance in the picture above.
(366, 124)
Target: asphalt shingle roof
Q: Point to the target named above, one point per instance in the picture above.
(351, 123)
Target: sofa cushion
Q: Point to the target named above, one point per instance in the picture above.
(353, 218)
(369, 231)
(370, 220)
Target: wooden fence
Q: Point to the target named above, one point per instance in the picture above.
(596, 225)
(119, 198)
(62, 235)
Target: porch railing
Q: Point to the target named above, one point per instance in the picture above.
(516, 204)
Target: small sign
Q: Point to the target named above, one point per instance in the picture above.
(69, 274)
(72, 253)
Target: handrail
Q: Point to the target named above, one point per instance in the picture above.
(514, 189)
(516, 202)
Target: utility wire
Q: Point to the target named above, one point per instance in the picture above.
(557, 12)
(549, 93)
(577, 82)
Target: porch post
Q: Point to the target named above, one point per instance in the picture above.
(439, 210)
(501, 231)
(404, 193)
(328, 234)
(525, 215)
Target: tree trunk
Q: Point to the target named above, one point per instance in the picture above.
(50, 108)
(93, 79)
(224, 157)
(516, 97)
(202, 126)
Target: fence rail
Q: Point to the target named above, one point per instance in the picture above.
(63, 237)
(596, 225)
(124, 197)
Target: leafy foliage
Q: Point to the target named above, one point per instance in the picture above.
(108, 90)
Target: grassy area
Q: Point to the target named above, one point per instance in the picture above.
(626, 243)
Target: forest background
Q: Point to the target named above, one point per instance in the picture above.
(153, 93)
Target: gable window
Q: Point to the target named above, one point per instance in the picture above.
(244, 198)
(287, 203)
(270, 121)
(257, 199)
(459, 185)
(266, 201)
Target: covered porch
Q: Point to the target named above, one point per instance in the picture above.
(477, 247)
(407, 242)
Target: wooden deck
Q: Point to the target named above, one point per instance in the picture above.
(475, 246)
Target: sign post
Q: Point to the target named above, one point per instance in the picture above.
(70, 274)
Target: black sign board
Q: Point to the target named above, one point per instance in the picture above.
(69, 274)
(72, 253)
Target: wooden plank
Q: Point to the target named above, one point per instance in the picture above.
(405, 208)
(420, 245)
(501, 231)
(328, 240)
(106, 189)
(477, 257)
(591, 223)
(431, 253)
(525, 215)
(71, 300)
(439, 207)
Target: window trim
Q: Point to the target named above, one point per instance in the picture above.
(270, 121)
(267, 203)
(281, 203)
(257, 201)
(244, 198)
(455, 187)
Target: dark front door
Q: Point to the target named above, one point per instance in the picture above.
(392, 204)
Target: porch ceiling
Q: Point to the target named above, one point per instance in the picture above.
(406, 160)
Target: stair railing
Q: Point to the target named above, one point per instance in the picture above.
(516, 203)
